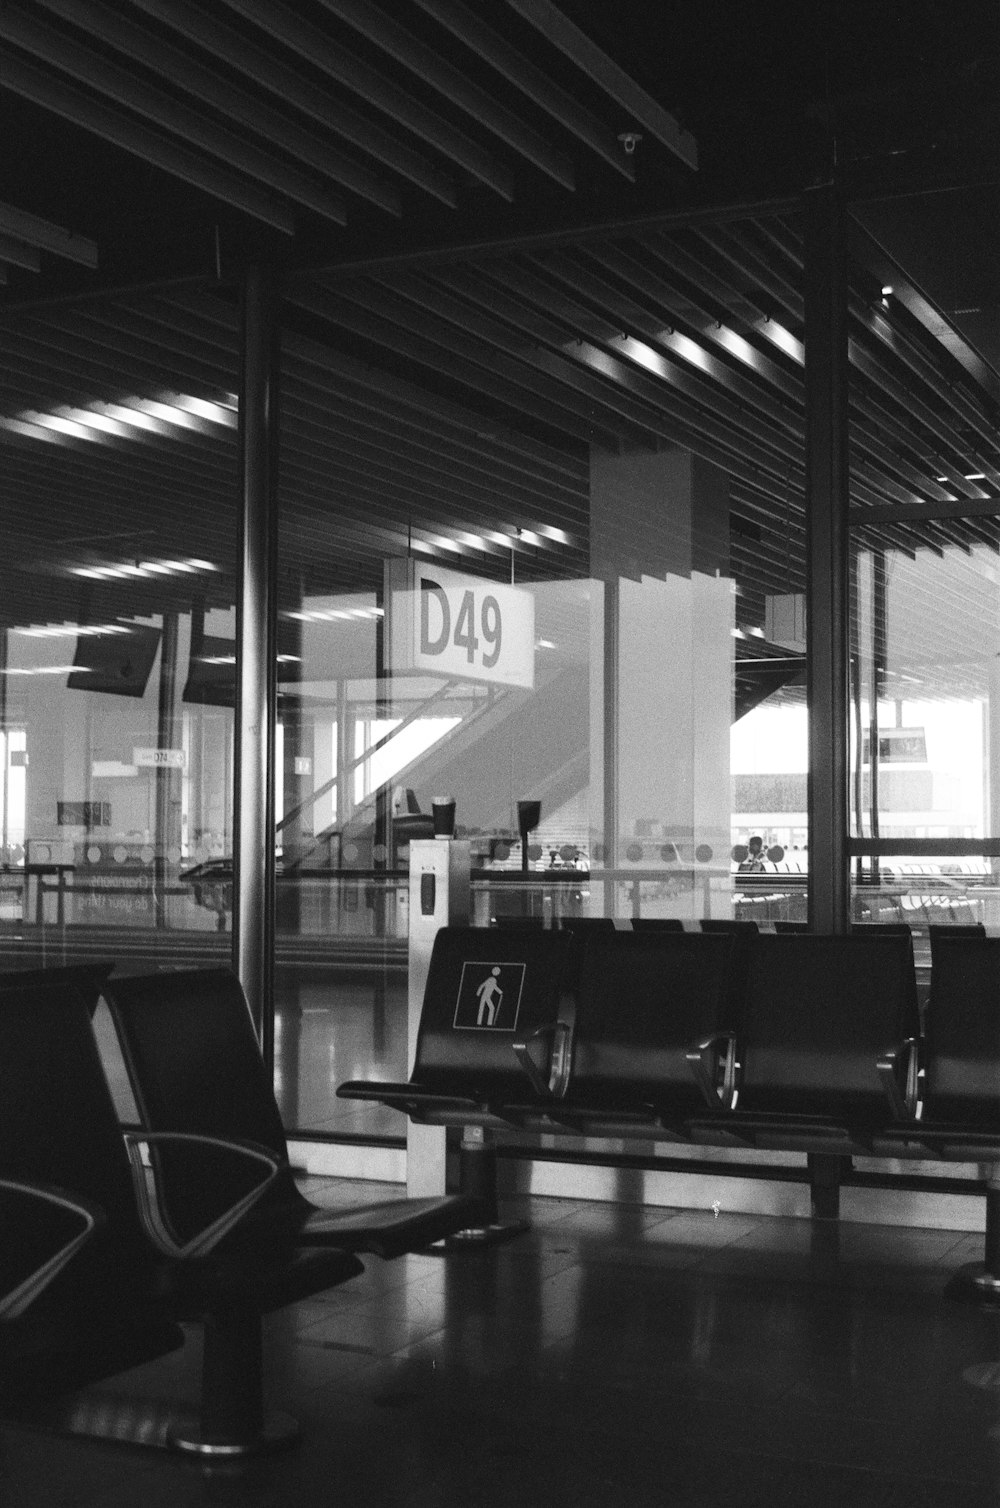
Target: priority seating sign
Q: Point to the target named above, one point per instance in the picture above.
(489, 996)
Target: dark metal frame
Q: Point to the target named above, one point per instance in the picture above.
(827, 564)
(256, 650)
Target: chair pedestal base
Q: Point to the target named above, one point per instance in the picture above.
(974, 1282)
(279, 1431)
(478, 1236)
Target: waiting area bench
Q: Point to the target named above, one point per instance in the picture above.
(787, 1042)
(198, 1223)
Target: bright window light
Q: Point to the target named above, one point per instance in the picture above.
(142, 569)
(73, 631)
(157, 413)
(782, 338)
(45, 670)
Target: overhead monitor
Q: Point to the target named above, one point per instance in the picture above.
(117, 664)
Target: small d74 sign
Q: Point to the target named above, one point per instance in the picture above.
(457, 625)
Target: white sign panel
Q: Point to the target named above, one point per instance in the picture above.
(447, 623)
(158, 759)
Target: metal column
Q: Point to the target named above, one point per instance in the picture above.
(827, 479)
(256, 643)
(168, 827)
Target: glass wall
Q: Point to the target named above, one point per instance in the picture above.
(117, 636)
(541, 543)
(925, 538)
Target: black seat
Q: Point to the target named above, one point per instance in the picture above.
(88, 979)
(466, 1071)
(657, 924)
(43, 1229)
(960, 1110)
(48, 1347)
(728, 924)
(886, 929)
(195, 1066)
(948, 932)
(651, 1038)
(820, 1013)
(587, 924)
(58, 1127)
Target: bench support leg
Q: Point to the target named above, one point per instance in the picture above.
(980, 1281)
(825, 1172)
(477, 1177)
(233, 1423)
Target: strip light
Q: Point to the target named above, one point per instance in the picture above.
(143, 569)
(162, 413)
(73, 631)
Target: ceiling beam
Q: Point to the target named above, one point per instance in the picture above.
(124, 87)
(641, 108)
(211, 88)
(115, 126)
(46, 236)
(295, 89)
(455, 86)
(531, 81)
(375, 88)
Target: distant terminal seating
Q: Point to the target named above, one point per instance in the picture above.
(727, 1037)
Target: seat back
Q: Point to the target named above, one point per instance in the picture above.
(486, 987)
(643, 999)
(962, 1048)
(87, 978)
(819, 1011)
(657, 924)
(729, 924)
(58, 1126)
(194, 1065)
(586, 924)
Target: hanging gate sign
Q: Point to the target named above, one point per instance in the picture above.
(447, 623)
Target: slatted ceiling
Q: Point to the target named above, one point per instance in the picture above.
(310, 116)
(487, 374)
(163, 111)
(284, 79)
(561, 32)
(321, 52)
(718, 362)
(517, 70)
(210, 87)
(378, 448)
(430, 68)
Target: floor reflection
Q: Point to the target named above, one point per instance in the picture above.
(610, 1356)
(331, 1027)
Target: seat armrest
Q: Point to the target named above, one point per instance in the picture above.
(554, 1080)
(149, 1196)
(17, 1299)
(897, 1071)
(713, 1063)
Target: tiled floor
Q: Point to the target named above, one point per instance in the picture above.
(611, 1356)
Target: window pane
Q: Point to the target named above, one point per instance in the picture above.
(541, 541)
(924, 798)
(116, 642)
